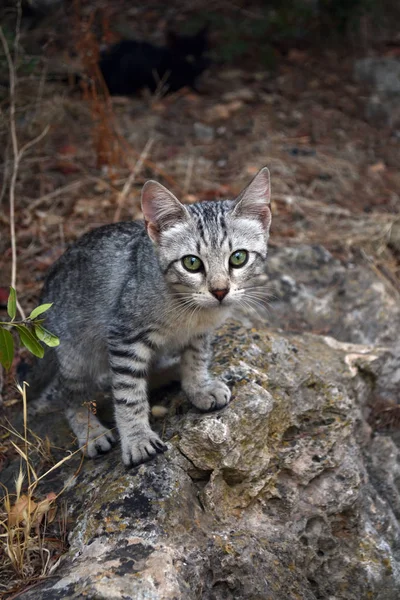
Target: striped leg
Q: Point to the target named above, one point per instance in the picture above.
(203, 392)
(130, 359)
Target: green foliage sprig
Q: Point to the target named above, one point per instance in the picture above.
(30, 330)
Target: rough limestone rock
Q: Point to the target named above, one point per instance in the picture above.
(312, 291)
(382, 75)
(292, 492)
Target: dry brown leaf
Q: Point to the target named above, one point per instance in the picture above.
(378, 167)
(43, 507)
(21, 510)
(223, 111)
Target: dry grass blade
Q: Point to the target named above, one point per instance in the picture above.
(27, 554)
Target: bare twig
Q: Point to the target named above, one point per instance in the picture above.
(151, 165)
(75, 185)
(131, 179)
(17, 152)
(5, 172)
(35, 140)
(14, 141)
(300, 201)
(188, 176)
(40, 90)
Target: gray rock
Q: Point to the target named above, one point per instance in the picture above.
(381, 111)
(204, 133)
(272, 497)
(312, 291)
(382, 75)
(286, 494)
(245, 94)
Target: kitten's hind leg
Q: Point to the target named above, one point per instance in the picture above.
(92, 437)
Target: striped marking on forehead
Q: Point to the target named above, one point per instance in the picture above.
(211, 222)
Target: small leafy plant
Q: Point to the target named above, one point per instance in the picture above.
(30, 330)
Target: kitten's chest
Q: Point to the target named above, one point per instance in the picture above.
(178, 335)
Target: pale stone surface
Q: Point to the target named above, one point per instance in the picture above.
(382, 75)
(312, 291)
(286, 494)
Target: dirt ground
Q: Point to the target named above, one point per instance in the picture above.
(335, 178)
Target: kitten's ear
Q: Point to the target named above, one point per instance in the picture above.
(254, 201)
(161, 210)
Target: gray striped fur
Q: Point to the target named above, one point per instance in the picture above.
(122, 298)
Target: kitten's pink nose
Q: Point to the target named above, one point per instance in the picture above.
(219, 294)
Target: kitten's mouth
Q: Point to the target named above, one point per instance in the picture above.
(214, 304)
(225, 303)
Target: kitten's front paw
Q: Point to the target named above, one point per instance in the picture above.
(141, 446)
(212, 397)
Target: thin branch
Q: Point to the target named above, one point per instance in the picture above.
(39, 96)
(58, 192)
(35, 140)
(17, 153)
(131, 179)
(5, 172)
(14, 174)
(155, 168)
(188, 176)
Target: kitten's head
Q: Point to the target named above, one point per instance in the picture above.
(212, 254)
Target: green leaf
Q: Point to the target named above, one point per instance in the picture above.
(46, 336)
(29, 341)
(39, 310)
(12, 304)
(6, 348)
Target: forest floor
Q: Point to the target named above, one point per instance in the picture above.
(335, 177)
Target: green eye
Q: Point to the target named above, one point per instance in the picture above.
(238, 259)
(192, 263)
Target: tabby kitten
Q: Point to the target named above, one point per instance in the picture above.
(128, 293)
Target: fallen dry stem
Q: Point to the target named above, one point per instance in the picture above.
(75, 185)
(131, 179)
(155, 168)
(188, 175)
